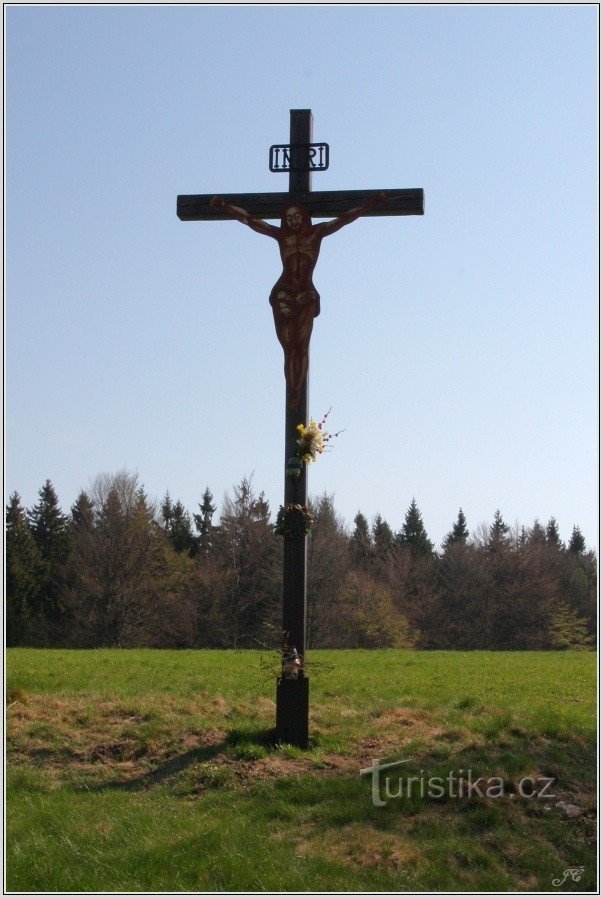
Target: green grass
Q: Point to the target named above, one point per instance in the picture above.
(143, 770)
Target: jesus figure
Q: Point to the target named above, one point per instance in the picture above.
(294, 299)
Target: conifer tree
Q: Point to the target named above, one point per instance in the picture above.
(203, 523)
(49, 528)
(552, 534)
(498, 535)
(383, 537)
(413, 533)
(167, 512)
(459, 532)
(361, 543)
(262, 509)
(49, 525)
(178, 526)
(537, 534)
(459, 616)
(83, 552)
(24, 575)
(142, 527)
(180, 530)
(82, 513)
(577, 543)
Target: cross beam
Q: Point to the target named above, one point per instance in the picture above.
(320, 204)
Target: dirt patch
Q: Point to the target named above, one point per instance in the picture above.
(273, 766)
(219, 705)
(343, 763)
(205, 704)
(13, 696)
(396, 727)
(278, 765)
(410, 723)
(83, 738)
(126, 750)
(265, 707)
(192, 740)
(189, 741)
(64, 713)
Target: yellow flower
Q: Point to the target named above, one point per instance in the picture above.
(312, 440)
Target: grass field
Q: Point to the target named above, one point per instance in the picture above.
(147, 770)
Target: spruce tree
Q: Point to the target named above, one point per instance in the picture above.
(203, 523)
(459, 532)
(25, 575)
(50, 530)
(82, 513)
(112, 518)
(577, 543)
(537, 534)
(178, 526)
(499, 533)
(413, 533)
(167, 512)
(552, 534)
(361, 543)
(383, 537)
(49, 525)
(261, 508)
(180, 530)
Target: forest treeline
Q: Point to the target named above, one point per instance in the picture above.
(121, 570)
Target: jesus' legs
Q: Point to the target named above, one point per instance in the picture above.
(294, 318)
(296, 344)
(296, 369)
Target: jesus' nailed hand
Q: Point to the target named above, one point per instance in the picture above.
(294, 299)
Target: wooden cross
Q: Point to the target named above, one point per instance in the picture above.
(295, 303)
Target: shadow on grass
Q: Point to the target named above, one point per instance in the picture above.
(263, 739)
(569, 763)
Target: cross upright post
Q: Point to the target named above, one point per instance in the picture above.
(292, 695)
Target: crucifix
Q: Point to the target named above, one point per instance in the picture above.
(295, 303)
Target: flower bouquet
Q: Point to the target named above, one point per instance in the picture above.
(313, 439)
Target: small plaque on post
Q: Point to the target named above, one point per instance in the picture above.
(315, 157)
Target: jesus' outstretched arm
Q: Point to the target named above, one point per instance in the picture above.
(329, 227)
(256, 224)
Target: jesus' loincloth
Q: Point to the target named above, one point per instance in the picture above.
(288, 302)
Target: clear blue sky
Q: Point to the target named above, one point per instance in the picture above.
(458, 349)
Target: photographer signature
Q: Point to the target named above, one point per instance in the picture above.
(574, 872)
